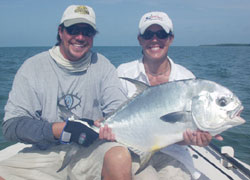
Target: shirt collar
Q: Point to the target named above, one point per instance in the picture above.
(140, 74)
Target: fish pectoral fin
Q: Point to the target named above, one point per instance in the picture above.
(176, 116)
(144, 160)
(140, 86)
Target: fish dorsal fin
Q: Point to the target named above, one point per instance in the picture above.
(176, 116)
(140, 86)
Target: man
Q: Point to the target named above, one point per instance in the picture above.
(47, 90)
(155, 67)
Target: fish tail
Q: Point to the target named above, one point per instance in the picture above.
(68, 156)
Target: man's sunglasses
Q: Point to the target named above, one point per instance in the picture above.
(161, 34)
(76, 30)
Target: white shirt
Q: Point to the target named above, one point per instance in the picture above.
(135, 70)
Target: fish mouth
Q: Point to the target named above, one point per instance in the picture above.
(239, 112)
(235, 114)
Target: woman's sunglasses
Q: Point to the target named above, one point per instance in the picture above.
(161, 34)
(76, 30)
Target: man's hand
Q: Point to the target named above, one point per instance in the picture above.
(104, 132)
(78, 131)
(198, 138)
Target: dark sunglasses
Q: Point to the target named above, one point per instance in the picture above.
(161, 34)
(76, 30)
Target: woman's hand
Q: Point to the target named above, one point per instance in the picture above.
(198, 138)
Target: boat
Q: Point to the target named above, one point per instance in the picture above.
(218, 163)
(211, 162)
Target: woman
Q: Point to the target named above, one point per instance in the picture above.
(155, 67)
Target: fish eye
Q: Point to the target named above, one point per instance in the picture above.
(222, 102)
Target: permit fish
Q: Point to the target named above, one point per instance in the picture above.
(157, 116)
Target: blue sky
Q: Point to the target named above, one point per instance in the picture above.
(34, 22)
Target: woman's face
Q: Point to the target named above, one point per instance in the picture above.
(155, 48)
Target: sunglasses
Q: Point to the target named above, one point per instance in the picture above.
(76, 30)
(161, 34)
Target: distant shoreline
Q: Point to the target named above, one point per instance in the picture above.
(228, 44)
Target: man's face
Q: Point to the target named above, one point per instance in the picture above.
(76, 41)
(155, 48)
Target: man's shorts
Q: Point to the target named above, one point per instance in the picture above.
(35, 164)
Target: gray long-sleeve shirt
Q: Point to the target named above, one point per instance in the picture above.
(40, 85)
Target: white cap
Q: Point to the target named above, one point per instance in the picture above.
(159, 18)
(78, 14)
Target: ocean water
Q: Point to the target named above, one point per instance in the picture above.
(228, 66)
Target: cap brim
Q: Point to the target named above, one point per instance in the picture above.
(71, 22)
(143, 29)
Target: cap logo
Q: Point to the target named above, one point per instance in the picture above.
(151, 18)
(82, 10)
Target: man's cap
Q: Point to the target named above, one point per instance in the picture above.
(159, 18)
(78, 14)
